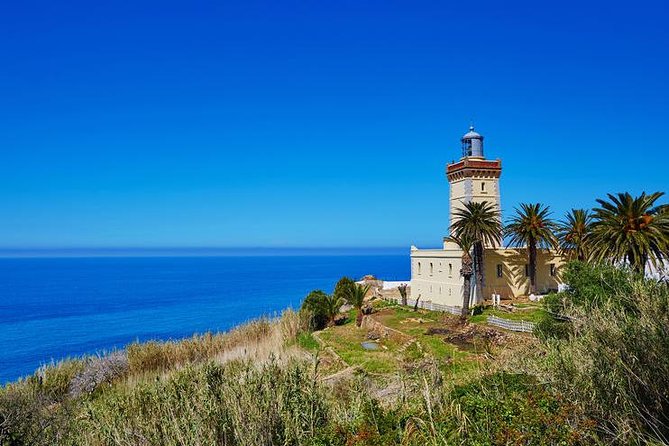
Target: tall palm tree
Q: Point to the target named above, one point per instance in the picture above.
(357, 298)
(631, 229)
(573, 233)
(480, 223)
(532, 227)
(465, 243)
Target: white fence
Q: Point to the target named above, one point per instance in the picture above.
(432, 306)
(523, 326)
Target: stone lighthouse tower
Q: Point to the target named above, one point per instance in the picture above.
(473, 178)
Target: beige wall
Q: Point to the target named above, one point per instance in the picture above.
(435, 274)
(513, 281)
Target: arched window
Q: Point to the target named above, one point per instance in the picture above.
(483, 187)
(450, 270)
(431, 268)
(419, 268)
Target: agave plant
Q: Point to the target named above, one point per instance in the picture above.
(631, 230)
(465, 243)
(573, 234)
(533, 228)
(480, 223)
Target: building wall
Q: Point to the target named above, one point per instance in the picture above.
(435, 274)
(514, 282)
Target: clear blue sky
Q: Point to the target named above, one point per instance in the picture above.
(315, 123)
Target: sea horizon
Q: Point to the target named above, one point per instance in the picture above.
(54, 308)
(178, 251)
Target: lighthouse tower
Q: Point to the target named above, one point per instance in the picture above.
(473, 178)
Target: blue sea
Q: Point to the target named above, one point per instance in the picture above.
(55, 308)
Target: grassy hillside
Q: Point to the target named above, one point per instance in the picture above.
(431, 380)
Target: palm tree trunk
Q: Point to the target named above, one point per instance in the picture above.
(358, 317)
(532, 247)
(478, 262)
(466, 294)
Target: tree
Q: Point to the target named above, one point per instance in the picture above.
(632, 230)
(573, 234)
(323, 308)
(403, 293)
(533, 228)
(465, 243)
(479, 222)
(344, 288)
(357, 298)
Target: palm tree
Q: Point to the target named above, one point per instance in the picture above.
(357, 298)
(465, 243)
(573, 233)
(479, 222)
(323, 307)
(532, 227)
(631, 229)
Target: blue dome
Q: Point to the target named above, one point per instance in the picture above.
(471, 134)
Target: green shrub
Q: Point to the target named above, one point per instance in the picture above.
(614, 357)
(505, 408)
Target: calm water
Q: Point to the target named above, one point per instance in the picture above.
(52, 308)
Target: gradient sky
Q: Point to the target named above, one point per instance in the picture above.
(315, 123)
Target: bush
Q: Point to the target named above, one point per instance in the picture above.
(505, 408)
(344, 289)
(614, 357)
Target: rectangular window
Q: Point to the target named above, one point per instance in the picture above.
(527, 270)
(499, 270)
(553, 270)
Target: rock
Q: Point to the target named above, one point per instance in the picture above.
(367, 309)
(345, 308)
(340, 319)
(373, 336)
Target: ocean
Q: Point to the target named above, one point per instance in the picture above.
(55, 308)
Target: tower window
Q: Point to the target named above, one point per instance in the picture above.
(553, 270)
(450, 270)
(499, 270)
(482, 187)
(419, 268)
(431, 268)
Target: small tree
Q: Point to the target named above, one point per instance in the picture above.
(403, 293)
(344, 288)
(323, 308)
(357, 298)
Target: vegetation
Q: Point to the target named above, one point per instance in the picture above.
(609, 351)
(632, 230)
(273, 381)
(344, 289)
(322, 308)
(403, 293)
(533, 228)
(574, 234)
(357, 298)
(479, 222)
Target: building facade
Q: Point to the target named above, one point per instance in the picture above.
(435, 273)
